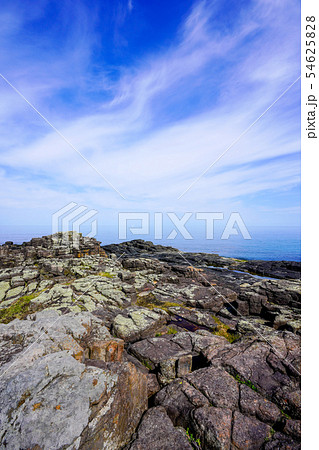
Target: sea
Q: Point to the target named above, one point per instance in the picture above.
(266, 243)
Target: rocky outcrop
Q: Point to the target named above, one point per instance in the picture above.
(60, 245)
(243, 399)
(147, 349)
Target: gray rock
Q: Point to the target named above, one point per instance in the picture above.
(157, 432)
(30, 274)
(195, 316)
(48, 398)
(138, 323)
(180, 398)
(272, 366)
(15, 292)
(293, 428)
(213, 426)
(252, 403)
(17, 281)
(4, 287)
(217, 385)
(281, 441)
(249, 433)
(172, 355)
(48, 404)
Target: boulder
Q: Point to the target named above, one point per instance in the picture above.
(170, 356)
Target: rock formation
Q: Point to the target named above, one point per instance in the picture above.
(139, 346)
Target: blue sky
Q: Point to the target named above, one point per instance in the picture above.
(151, 93)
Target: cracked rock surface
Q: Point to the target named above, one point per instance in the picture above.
(138, 346)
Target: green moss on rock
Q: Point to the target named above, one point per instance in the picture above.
(18, 309)
(223, 330)
(150, 301)
(106, 274)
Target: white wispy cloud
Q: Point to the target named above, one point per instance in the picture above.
(149, 158)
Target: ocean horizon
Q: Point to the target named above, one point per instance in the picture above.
(266, 243)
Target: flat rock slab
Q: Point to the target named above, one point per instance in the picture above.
(137, 323)
(203, 319)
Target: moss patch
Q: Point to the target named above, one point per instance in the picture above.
(223, 330)
(171, 330)
(150, 301)
(271, 433)
(106, 274)
(147, 364)
(18, 309)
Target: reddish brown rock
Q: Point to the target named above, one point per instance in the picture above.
(114, 419)
(109, 350)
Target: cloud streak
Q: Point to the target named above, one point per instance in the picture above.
(163, 120)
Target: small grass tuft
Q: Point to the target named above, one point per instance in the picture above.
(246, 382)
(147, 364)
(191, 438)
(171, 330)
(272, 432)
(285, 414)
